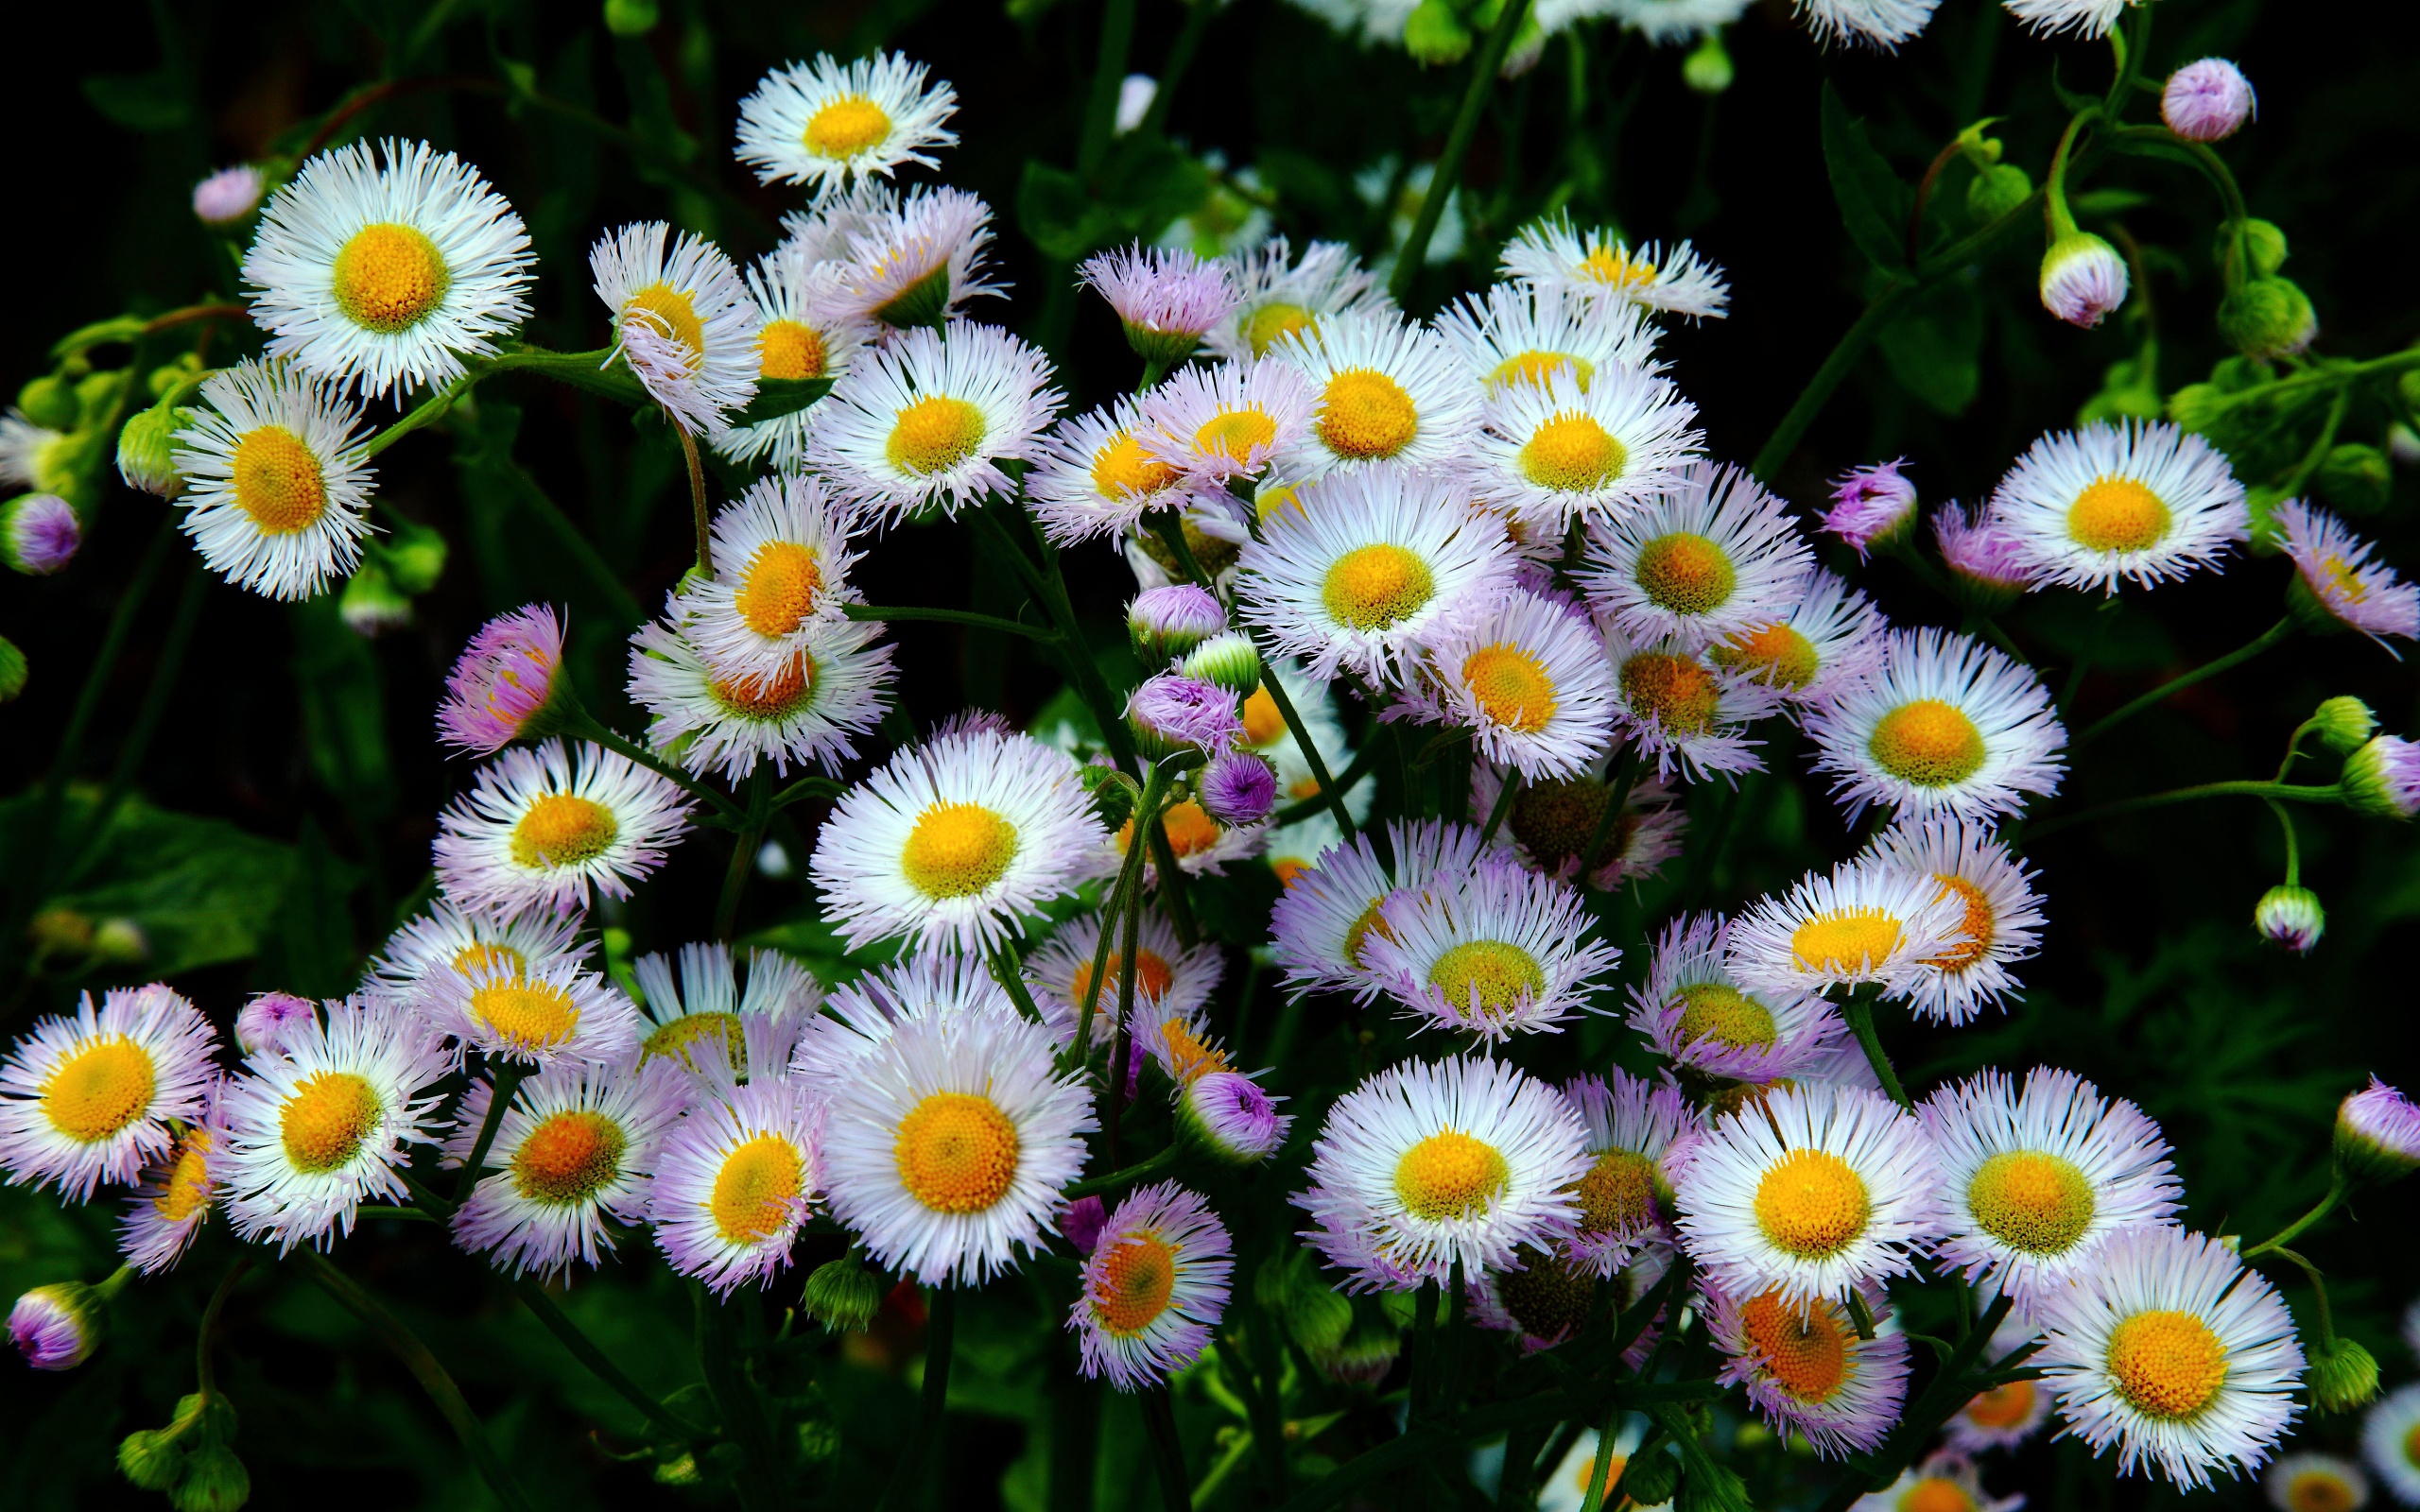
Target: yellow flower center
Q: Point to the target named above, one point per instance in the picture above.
(1722, 1013)
(1805, 1353)
(846, 126)
(779, 587)
(1538, 367)
(957, 849)
(2118, 514)
(1776, 655)
(1812, 1204)
(757, 1189)
(1846, 940)
(1122, 469)
(1188, 1057)
(1235, 433)
(957, 1152)
(1288, 870)
(1510, 687)
(1500, 974)
(2319, 1491)
(1137, 1278)
(2002, 1406)
(773, 699)
(1685, 573)
(1274, 323)
(481, 958)
(1936, 1493)
(1557, 817)
(674, 315)
(788, 349)
(1615, 269)
(673, 1040)
(1572, 453)
(277, 481)
(1619, 1193)
(1927, 742)
(2167, 1366)
(1153, 976)
(1365, 414)
(389, 277)
(526, 1015)
(1975, 925)
(1674, 691)
(186, 1191)
(1269, 500)
(935, 433)
(569, 1157)
(1356, 934)
(1372, 587)
(2030, 1200)
(561, 830)
(2341, 581)
(1263, 724)
(1450, 1174)
(99, 1090)
(325, 1122)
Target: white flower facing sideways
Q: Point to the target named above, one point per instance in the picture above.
(2003, 913)
(544, 826)
(824, 123)
(277, 491)
(1554, 254)
(383, 269)
(88, 1099)
(2140, 503)
(683, 322)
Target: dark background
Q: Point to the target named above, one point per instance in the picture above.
(281, 722)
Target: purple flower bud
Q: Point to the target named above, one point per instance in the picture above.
(2082, 279)
(1226, 1113)
(1080, 1221)
(2383, 778)
(2291, 916)
(1172, 712)
(1165, 623)
(1870, 504)
(507, 680)
(228, 194)
(1982, 556)
(2377, 1134)
(55, 1326)
(1238, 788)
(2208, 100)
(271, 1021)
(38, 533)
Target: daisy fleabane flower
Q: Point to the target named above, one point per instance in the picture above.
(782, 561)
(1167, 298)
(734, 1180)
(1871, 504)
(1984, 558)
(1555, 820)
(225, 198)
(1883, 23)
(2002, 913)
(1215, 423)
(683, 322)
(2085, 18)
(2037, 1178)
(946, 1147)
(1154, 1287)
(542, 1014)
(385, 267)
(1554, 254)
(507, 684)
(450, 941)
(89, 1100)
(929, 419)
(812, 710)
(1323, 924)
(2335, 576)
(1829, 635)
(824, 123)
(1514, 334)
(313, 1131)
(1698, 1015)
(1688, 715)
(1808, 1191)
(1278, 295)
(2171, 1348)
(1427, 1163)
(1944, 1481)
(1553, 450)
(2391, 1442)
(1388, 392)
(2316, 1483)
(575, 1149)
(2007, 1415)
(1496, 952)
(2144, 503)
(546, 825)
(1712, 556)
(1097, 479)
(705, 1005)
(1804, 1366)
(1862, 921)
(1529, 683)
(799, 338)
(178, 1191)
(860, 1017)
(899, 264)
(278, 491)
(1639, 1131)
(1947, 724)
(263, 1025)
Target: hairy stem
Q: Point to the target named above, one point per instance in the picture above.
(2242, 654)
(941, 1326)
(2289, 792)
(1484, 68)
(1859, 1011)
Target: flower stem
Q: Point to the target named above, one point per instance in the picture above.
(940, 1325)
(1109, 73)
(2266, 639)
(1129, 880)
(2292, 1231)
(952, 616)
(1828, 377)
(1505, 797)
(1484, 69)
(1950, 1391)
(1149, 1167)
(1600, 1469)
(2293, 847)
(1167, 1450)
(1625, 776)
(506, 1078)
(587, 726)
(697, 505)
(1859, 1011)
(743, 856)
(2288, 791)
(584, 1350)
(146, 722)
(1114, 1095)
(1197, 20)
(758, 1482)
(204, 1335)
(1330, 790)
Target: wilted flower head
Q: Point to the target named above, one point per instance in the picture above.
(1166, 298)
(38, 533)
(1237, 788)
(2206, 100)
(2082, 279)
(1983, 556)
(1870, 504)
(228, 194)
(1173, 712)
(508, 683)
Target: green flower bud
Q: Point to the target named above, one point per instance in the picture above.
(49, 401)
(146, 450)
(170, 375)
(96, 393)
(819, 1441)
(1113, 792)
(1433, 34)
(60, 932)
(2291, 916)
(1230, 660)
(1649, 1480)
(680, 1470)
(1708, 69)
(1995, 191)
(1315, 1314)
(215, 1481)
(2356, 479)
(2343, 1376)
(2268, 318)
(629, 18)
(2407, 389)
(2268, 537)
(2377, 1136)
(369, 604)
(2345, 723)
(2197, 407)
(843, 1296)
(2264, 246)
(152, 1458)
(120, 942)
(416, 556)
(14, 670)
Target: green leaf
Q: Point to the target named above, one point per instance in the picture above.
(777, 397)
(309, 948)
(1062, 218)
(1874, 204)
(1935, 348)
(140, 102)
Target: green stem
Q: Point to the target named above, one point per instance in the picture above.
(1484, 70)
(1346, 781)
(2105, 615)
(743, 856)
(1167, 1450)
(1950, 1391)
(2287, 791)
(1009, 972)
(146, 722)
(506, 1078)
(758, 1482)
(2055, 187)
(1817, 393)
(2293, 847)
(2319, 1292)
(209, 1330)
(1505, 795)
(2267, 638)
(1137, 1172)
(704, 511)
(952, 616)
(424, 1367)
(1109, 74)
(1331, 792)
(1625, 776)
(1197, 20)
(1129, 882)
(1600, 1469)
(584, 1350)
(1859, 1011)
(574, 544)
(587, 726)
(2292, 1231)
(1122, 1043)
(941, 1326)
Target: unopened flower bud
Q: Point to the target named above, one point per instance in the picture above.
(843, 1296)
(1225, 1115)
(1165, 623)
(1229, 659)
(1872, 506)
(1173, 714)
(38, 533)
(2342, 1377)
(2083, 278)
(369, 604)
(1434, 34)
(144, 458)
(1314, 1313)
(272, 1022)
(1081, 1221)
(1997, 190)
(2268, 318)
(1237, 788)
(1112, 790)
(120, 942)
(414, 557)
(2264, 246)
(14, 670)
(2377, 1136)
(215, 1481)
(631, 18)
(2291, 916)
(2206, 101)
(2343, 723)
(2356, 478)
(56, 1327)
(226, 197)
(48, 402)
(2383, 777)
(1708, 69)
(152, 1458)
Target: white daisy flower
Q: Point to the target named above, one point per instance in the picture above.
(1863, 921)
(734, 1180)
(1514, 334)
(2335, 574)
(1154, 1287)
(383, 269)
(1529, 683)
(576, 1149)
(2171, 1348)
(929, 419)
(1883, 23)
(2316, 1483)
(545, 1013)
(1688, 715)
(1944, 1481)
(1323, 925)
(1552, 452)
(1428, 1163)
(1810, 1189)
(901, 264)
(1702, 1017)
(1554, 820)
(811, 712)
(88, 1100)
(782, 561)
(545, 824)
(2145, 503)
(1947, 724)
(823, 123)
(449, 942)
(277, 491)
(1827, 635)
(318, 1127)
(859, 1018)
(1367, 569)
(1713, 556)
(1638, 1133)
(1214, 423)
(1494, 953)
(953, 841)
(1173, 982)
(1387, 392)
(2003, 914)
(2037, 1180)
(703, 1021)
(2391, 1442)
(1553, 254)
(1098, 478)
(1277, 297)
(947, 1147)
(683, 323)
(1666, 22)
(1804, 1366)
(2085, 18)
(795, 340)
(178, 1191)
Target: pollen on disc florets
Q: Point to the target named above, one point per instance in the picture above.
(390, 277)
(957, 849)
(2031, 1200)
(1928, 743)
(1812, 1204)
(957, 1152)
(1450, 1174)
(1373, 586)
